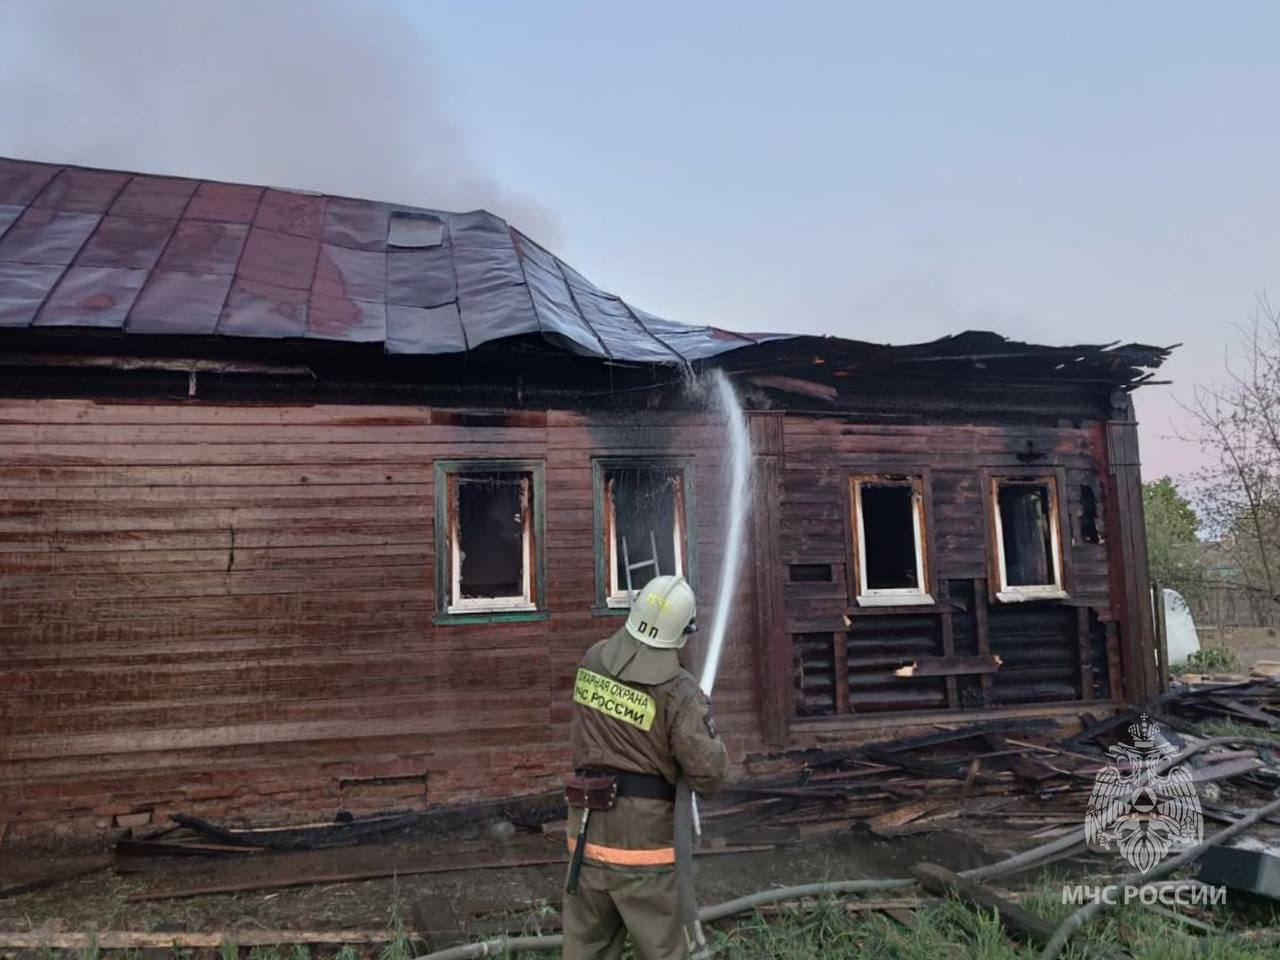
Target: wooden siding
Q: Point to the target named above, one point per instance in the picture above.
(227, 609)
(844, 655)
(772, 652)
(1130, 577)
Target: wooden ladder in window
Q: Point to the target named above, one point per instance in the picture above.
(639, 565)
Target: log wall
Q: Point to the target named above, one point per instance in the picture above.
(844, 656)
(228, 610)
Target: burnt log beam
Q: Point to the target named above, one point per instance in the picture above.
(1127, 543)
(773, 649)
(1019, 921)
(949, 666)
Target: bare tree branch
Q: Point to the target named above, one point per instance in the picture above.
(1237, 422)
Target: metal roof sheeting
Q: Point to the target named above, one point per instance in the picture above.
(156, 255)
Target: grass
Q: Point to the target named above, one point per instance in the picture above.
(954, 931)
(399, 947)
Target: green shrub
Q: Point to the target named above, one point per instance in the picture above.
(1210, 660)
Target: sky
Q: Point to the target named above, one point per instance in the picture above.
(1064, 173)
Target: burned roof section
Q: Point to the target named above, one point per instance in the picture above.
(93, 254)
(972, 355)
(143, 254)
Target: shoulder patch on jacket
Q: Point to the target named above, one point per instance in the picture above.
(614, 699)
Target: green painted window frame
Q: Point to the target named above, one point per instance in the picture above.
(599, 466)
(444, 469)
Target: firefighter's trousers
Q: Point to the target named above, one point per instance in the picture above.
(612, 902)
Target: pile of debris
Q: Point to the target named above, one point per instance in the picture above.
(961, 777)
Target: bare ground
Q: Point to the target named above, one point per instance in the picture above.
(434, 901)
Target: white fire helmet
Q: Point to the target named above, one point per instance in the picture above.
(661, 612)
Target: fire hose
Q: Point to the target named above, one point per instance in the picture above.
(687, 827)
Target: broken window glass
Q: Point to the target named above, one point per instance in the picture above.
(890, 531)
(1028, 538)
(644, 505)
(491, 540)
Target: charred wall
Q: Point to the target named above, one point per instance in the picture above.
(973, 648)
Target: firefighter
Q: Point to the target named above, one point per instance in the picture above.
(639, 722)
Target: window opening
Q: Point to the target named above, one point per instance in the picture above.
(491, 541)
(646, 506)
(891, 541)
(1027, 539)
(1089, 515)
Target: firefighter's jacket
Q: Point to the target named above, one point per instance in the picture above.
(636, 709)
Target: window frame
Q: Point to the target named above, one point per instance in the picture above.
(532, 604)
(999, 589)
(604, 548)
(918, 479)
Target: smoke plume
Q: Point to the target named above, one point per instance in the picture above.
(336, 96)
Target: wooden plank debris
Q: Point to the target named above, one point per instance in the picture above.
(1097, 729)
(1226, 771)
(128, 847)
(136, 940)
(942, 779)
(1016, 919)
(1026, 768)
(401, 870)
(902, 916)
(949, 666)
(885, 822)
(1245, 712)
(23, 878)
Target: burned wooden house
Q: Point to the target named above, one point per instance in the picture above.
(312, 504)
